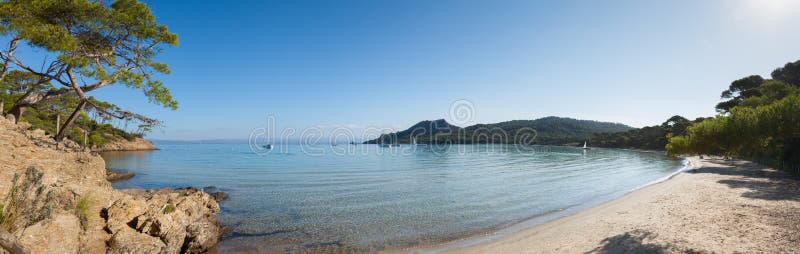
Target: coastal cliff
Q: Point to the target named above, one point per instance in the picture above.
(121, 144)
(56, 199)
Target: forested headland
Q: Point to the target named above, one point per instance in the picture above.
(543, 131)
(83, 46)
(758, 120)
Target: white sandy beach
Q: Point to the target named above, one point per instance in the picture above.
(720, 206)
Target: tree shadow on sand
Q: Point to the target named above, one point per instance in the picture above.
(638, 241)
(762, 182)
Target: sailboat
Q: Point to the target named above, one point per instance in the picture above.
(585, 147)
(413, 141)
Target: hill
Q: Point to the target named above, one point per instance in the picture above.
(543, 131)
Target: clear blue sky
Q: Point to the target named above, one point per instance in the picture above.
(393, 63)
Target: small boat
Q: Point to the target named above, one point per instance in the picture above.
(388, 145)
(268, 146)
(413, 141)
(585, 147)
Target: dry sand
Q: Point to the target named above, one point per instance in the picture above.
(718, 207)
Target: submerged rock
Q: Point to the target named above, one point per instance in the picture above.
(114, 176)
(219, 196)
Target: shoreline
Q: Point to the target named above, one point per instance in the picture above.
(697, 209)
(533, 221)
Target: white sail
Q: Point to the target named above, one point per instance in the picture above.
(584, 145)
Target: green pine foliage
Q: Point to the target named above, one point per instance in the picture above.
(759, 122)
(100, 129)
(646, 138)
(83, 45)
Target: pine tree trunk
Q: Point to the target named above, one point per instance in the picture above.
(63, 130)
(17, 111)
(10, 243)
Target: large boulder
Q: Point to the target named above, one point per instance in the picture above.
(183, 219)
(56, 235)
(128, 240)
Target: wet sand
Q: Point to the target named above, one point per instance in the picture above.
(719, 206)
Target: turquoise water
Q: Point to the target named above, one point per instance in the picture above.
(366, 198)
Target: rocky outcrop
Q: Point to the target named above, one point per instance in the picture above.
(121, 144)
(183, 220)
(113, 176)
(55, 199)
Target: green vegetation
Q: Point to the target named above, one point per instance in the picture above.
(82, 210)
(100, 127)
(544, 131)
(169, 207)
(26, 203)
(85, 45)
(760, 121)
(646, 138)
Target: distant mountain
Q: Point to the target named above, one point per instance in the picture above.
(424, 132)
(544, 131)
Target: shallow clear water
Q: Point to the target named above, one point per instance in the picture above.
(366, 197)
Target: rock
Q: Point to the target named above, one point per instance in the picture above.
(11, 118)
(127, 240)
(23, 125)
(115, 221)
(122, 212)
(113, 176)
(58, 235)
(138, 144)
(219, 196)
(70, 144)
(190, 223)
(38, 133)
(202, 236)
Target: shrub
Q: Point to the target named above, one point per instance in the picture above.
(82, 210)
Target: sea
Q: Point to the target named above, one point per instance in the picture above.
(367, 198)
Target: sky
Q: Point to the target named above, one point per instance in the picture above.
(359, 64)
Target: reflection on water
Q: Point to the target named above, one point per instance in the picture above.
(375, 199)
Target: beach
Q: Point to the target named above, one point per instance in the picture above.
(717, 207)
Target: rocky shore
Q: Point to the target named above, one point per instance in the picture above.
(55, 198)
(138, 144)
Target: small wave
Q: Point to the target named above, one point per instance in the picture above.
(686, 164)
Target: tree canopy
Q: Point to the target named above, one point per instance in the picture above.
(647, 138)
(762, 125)
(543, 131)
(89, 45)
(752, 86)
